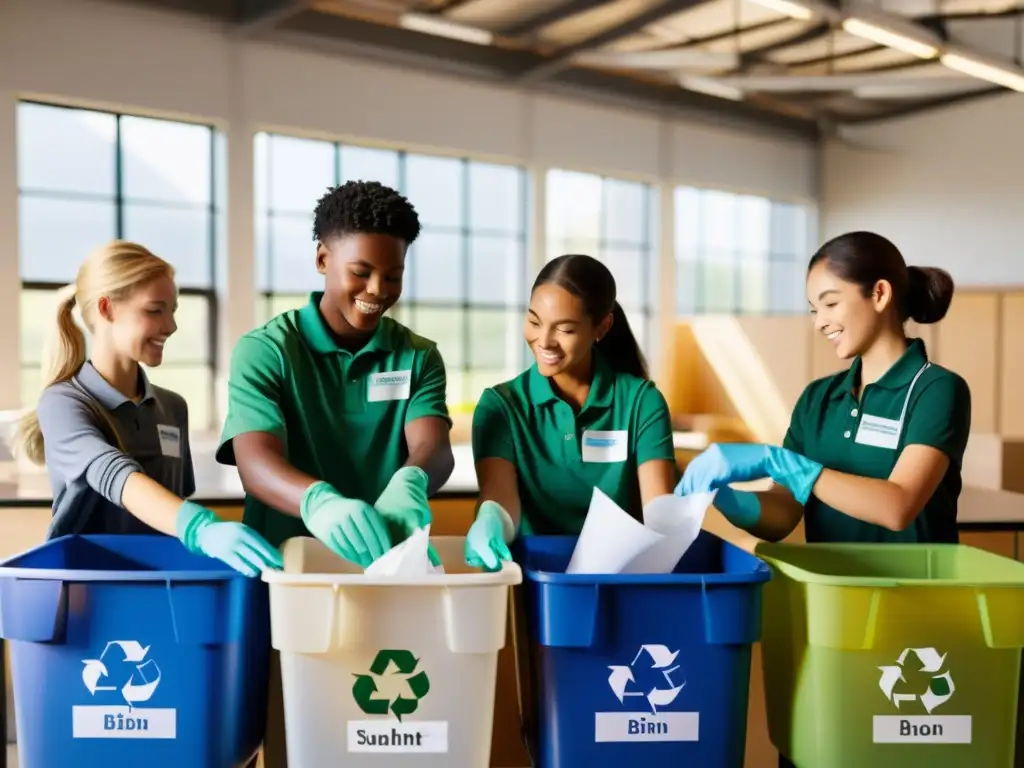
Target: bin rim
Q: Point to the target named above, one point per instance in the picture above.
(764, 551)
(760, 574)
(509, 575)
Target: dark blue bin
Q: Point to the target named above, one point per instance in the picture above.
(132, 651)
(637, 670)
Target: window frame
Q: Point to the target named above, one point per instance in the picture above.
(118, 200)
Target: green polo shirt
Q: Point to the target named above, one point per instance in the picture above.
(561, 456)
(866, 438)
(341, 415)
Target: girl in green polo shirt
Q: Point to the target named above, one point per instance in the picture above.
(584, 415)
(873, 453)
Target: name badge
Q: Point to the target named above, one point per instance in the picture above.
(393, 385)
(606, 447)
(879, 432)
(170, 440)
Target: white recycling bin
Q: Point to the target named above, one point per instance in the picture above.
(388, 670)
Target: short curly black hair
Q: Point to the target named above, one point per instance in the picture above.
(365, 206)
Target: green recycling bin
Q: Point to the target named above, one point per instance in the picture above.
(892, 656)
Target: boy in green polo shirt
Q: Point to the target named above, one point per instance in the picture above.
(873, 454)
(337, 419)
(584, 415)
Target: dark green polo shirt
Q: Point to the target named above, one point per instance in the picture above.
(561, 456)
(866, 438)
(341, 415)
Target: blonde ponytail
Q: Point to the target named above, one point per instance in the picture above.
(115, 270)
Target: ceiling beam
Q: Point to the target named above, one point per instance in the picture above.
(257, 16)
(533, 24)
(756, 55)
(562, 60)
(925, 106)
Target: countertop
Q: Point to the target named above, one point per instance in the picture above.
(22, 486)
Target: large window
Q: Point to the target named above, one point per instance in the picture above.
(739, 253)
(612, 220)
(465, 277)
(86, 177)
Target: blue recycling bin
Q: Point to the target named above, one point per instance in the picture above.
(643, 670)
(132, 651)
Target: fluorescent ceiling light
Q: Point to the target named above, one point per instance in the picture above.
(889, 37)
(1005, 76)
(788, 8)
(434, 25)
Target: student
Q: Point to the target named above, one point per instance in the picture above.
(337, 417)
(584, 415)
(872, 454)
(115, 446)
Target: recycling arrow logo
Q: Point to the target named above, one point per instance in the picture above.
(661, 659)
(394, 670)
(143, 678)
(940, 688)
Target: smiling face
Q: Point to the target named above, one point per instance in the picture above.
(363, 274)
(850, 320)
(559, 331)
(139, 325)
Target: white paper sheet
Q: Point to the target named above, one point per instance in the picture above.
(406, 559)
(679, 520)
(610, 538)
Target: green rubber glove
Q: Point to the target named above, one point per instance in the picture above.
(350, 528)
(405, 507)
(487, 541)
(236, 544)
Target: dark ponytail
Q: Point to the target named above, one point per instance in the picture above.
(922, 294)
(591, 282)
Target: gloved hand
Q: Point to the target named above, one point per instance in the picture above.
(725, 463)
(405, 507)
(236, 544)
(487, 542)
(741, 508)
(351, 528)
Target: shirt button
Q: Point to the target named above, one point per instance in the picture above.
(568, 437)
(846, 433)
(853, 412)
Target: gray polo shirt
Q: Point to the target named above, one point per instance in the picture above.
(86, 468)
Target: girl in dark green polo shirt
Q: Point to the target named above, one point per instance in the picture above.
(584, 415)
(874, 453)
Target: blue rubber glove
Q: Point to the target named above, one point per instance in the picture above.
(725, 463)
(741, 508)
(236, 544)
(350, 528)
(405, 507)
(487, 542)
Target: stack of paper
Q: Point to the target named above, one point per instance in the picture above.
(406, 559)
(613, 542)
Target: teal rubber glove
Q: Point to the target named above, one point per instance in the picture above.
(236, 544)
(350, 528)
(741, 508)
(405, 507)
(487, 542)
(725, 463)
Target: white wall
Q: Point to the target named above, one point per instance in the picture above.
(146, 61)
(946, 186)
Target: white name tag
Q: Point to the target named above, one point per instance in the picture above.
(607, 447)
(170, 440)
(879, 432)
(393, 385)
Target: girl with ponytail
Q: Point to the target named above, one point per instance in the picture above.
(116, 446)
(585, 415)
(873, 454)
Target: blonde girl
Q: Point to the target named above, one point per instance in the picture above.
(115, 446)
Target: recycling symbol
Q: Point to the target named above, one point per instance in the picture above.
(395, 670)
(662, 660)
(143, 677)
(939, 690)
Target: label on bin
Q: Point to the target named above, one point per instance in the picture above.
(123, 723)
(644, 726)
(922, 729)
(388, 736)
